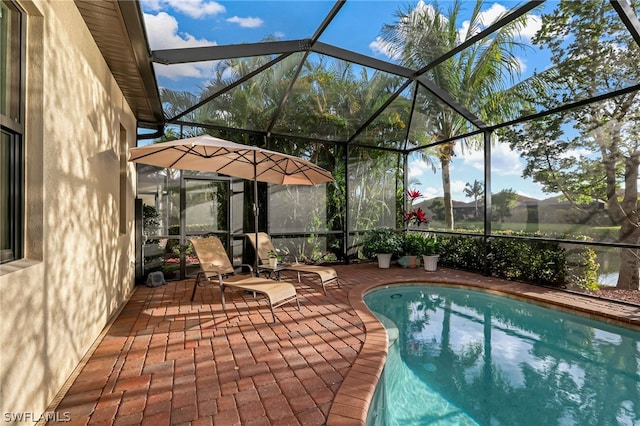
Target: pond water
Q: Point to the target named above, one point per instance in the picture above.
(467, 357)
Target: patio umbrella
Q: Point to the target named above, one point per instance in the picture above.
(209, 154)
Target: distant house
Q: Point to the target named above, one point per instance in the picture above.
(527, 210)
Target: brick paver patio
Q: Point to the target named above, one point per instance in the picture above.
(165, 360)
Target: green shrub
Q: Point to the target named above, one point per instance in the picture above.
(420, 244)
(542, 262)
(382, 240)
(462, 252)
(410, 244)
(582, 267)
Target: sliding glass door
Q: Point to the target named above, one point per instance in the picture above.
(177, 206)
(206, 213)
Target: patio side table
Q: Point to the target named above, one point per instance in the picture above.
(268, 270)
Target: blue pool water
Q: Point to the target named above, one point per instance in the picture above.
(466, 357)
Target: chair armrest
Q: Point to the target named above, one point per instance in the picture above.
(246, 265)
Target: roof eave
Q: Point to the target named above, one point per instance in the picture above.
(118, 30)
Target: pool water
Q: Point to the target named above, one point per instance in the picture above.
(467, 357)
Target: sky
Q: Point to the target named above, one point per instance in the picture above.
(174, 24)
(195, 23)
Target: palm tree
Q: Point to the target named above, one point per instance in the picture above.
(476, 191)
(478, 77)
(253, 103)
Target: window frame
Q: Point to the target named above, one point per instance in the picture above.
(12, 134)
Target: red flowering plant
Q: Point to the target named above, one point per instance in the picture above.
(414, 216)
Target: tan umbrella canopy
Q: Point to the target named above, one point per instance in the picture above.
(209, 154)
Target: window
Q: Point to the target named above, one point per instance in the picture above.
(11, 134)
(10, 38)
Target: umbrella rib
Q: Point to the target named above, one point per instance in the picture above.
(282, 164)
(133, 158)
(245, 155)
(302, 170)
(276, 164)
(215, 152)
(242, 157)
(190, 150)
(170, 148)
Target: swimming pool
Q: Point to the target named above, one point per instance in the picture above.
(467, 357)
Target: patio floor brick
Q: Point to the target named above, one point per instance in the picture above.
(166, 360)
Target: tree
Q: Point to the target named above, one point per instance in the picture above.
(476, 191)
(478, 77)
(592, 152)
(329, 100)
(437, 209)
(502, 203)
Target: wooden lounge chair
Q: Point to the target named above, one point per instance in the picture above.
(327, 274)
(214, 262)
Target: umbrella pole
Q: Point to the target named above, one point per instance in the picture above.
(255, 208)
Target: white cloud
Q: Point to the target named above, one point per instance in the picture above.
(162, 31)
(522, 65)
(425, 180)
(495, 12)
(485, 19)
(193, 8)
(534, 23)
(432, 192)
(471, 158)
(577, 153)
(504, 161)
(175, 72)
(427, 9)
(457, 189)
(248, 22)
(381, 47)
(154, 5)
(418, 168)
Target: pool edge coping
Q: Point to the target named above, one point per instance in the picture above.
(352, 400)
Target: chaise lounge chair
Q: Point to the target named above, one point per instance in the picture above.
(326, 274)
(214, 262)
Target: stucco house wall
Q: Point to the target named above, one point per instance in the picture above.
(79, 258)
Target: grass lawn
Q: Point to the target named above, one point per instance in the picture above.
(598, 233)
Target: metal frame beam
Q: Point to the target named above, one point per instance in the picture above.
(628, 17)
(287, 92)
(376, 113)
(360, 59)
(447, 99)
(565, 107)
(323, 26)
(230, 86)
(327, 20)
(487, 198)
(527, 7)
(217, 53)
